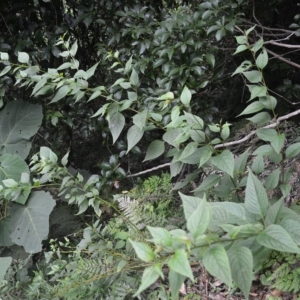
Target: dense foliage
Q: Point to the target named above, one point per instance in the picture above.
(97, 93)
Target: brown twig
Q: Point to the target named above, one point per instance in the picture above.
(283, 59)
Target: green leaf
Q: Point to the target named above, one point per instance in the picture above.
(39, 85)
(134, 78)
(293, 228)
(116, 123)
(263, 150)
(216, 262)
(210, 181)
(160, 236)
(61, 93)
(167, 96)
(140, 119)
(241, 264)
(272, 180)
(74, 48)
(241, 39)
(260, 118)
(186, 96)
(188, 150)
(274, 212)
(143, 251)
(150, 275)
(190, 204)
(179, 263)
(155, 149)
(262, 59)
(293, 150)
(205, 154)
(199, 220)
(275, 237)
(258, 164)
(4, 265)
(257, 91)
(134, 135)
(224, 161)
(94, 95)
(30, 222)
(176, 280)
(266, 134)
(5, 70)
(245, 65)
(240, 162)
(269, 102)
(256, 199)
(258, 45)
(253, 76)
(240, 48)
(278, 142)
(5, 240)
(23, 57)
(19, 121)
(90, 72)
(210, 58)
(252, 108)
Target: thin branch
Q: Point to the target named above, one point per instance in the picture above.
(150, 170)
(290, 102)
(244, 139)
(5, 23)
(282, 45)
(283, 59)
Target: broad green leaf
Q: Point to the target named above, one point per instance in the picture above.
(285, 189)
(134, 78)
(260, 118)
(252, 108)
(240, 48)
(125, 85)
(134, 135)
(245, 65)
(241, 39)
(199, 220)
(256, 199)
(155, 149)
(258, 45)
(205, 154)
(12, 166)
(39, 85)
(116, 123)
(171, 135)
(275, 237)
(143, 251)
(74, 48)
(190, 204)
(4, 265)
(210, 181)
(175, 168)
(267, 134)
(241, 264)
(240, 162)
(5, 70)
(224, 161)
(30, 223)
(262, 59)
(210, 58)
(274, 212)
(167, 96)
(216, 262)
(61, 93)
(175, 280)
(269, 102)
(140, 119)
(186, 96)
(293, 150)
(278, 142)
(19, 121)
(179, 263)
(257, 91)
(94, 95)
(263, 150)
(253, 76)
(5, 231)
(160, 236)
(150, 275)
(293, 228)
(258, 164)
(23, 57)
(90, 72)
(272, 180)
(194, 121)
(188, 150)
